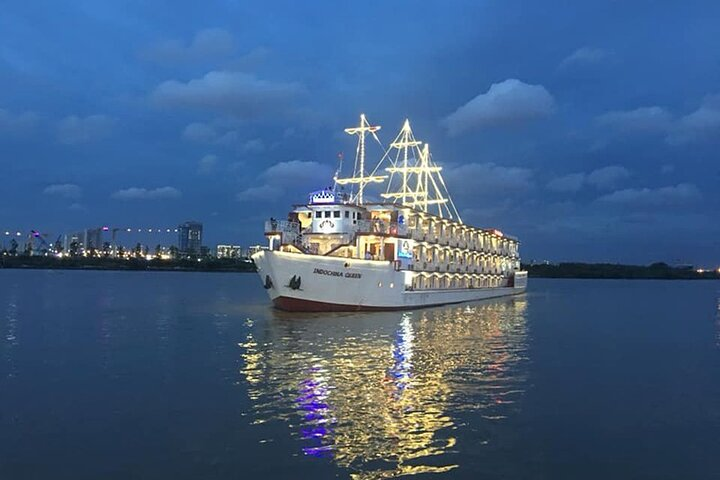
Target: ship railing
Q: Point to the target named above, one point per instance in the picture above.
(291, 237)
(289, 231)
(382, 228)
(417, 234)
(281, 226)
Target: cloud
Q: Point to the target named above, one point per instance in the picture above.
(232, 139)
(250, 60)
(607, 177)
(200, 132)
(262, 192)
(602, 179)
(75, 130)
(507, 102)
(208, 134)
(207, 164)
(644, 119)
(66, 190)
(135, 193)
(288, 178)
(297, 172)
(572, 182)
(236, 166)
(585, 56)
(702, 124)
(256, 145)
(237, 93)
(208, 44)
(487, 179)
(17, 123)
(677, 195)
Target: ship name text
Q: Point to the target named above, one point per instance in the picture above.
(334, 273)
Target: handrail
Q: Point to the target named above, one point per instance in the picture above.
(273, 226)
(381, 227)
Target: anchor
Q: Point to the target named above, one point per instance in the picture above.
(295, 282)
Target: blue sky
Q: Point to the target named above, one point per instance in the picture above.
(590, 130)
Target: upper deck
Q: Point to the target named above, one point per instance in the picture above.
(418, 226)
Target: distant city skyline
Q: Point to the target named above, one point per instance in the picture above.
(588, 130)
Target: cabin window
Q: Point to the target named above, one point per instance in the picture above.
(318, 214)
(327, 213)
(336, 214)
(347, 213)
(358, 216)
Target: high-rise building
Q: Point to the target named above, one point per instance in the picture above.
(229, 251)
(190, 238)
(92, 239)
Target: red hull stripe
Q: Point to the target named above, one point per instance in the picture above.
(299, 305)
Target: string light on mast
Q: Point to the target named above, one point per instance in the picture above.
(429, 187)
(359, 177)
(414, 181)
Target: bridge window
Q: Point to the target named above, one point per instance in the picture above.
(336, 214)
(347, 213)
(327, 213)
(318, 214)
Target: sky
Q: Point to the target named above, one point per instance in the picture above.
(590, 130)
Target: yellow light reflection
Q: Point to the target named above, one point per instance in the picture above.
(377, 393)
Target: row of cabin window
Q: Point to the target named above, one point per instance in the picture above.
(336, 214)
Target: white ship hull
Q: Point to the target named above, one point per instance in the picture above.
(302, 282)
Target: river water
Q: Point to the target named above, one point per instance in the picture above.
(125, 375)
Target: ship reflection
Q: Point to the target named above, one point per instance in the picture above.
(378, 393)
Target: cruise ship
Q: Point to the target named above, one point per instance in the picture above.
(345, 250)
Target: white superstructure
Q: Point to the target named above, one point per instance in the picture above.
(339, 252)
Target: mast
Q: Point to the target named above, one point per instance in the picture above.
(359, 176)
(425, 190)
(429, 189)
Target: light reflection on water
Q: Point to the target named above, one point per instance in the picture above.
(379, 394)
(717, 323)
(10, 336)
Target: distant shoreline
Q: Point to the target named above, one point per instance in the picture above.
(570, 270)
(133, 264)
(656, 271)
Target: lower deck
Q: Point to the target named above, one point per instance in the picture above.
(318, 283)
